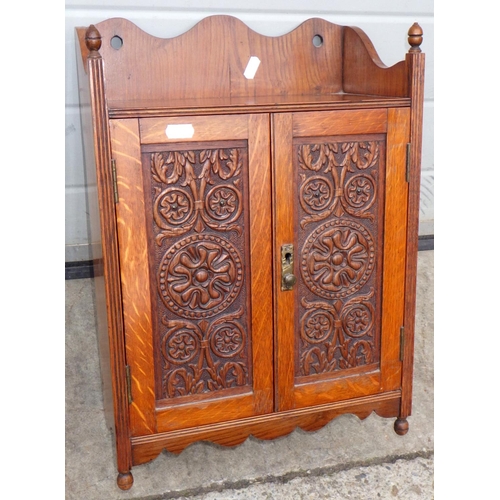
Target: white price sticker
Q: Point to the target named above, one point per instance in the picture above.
(179, 131)
(252, 67)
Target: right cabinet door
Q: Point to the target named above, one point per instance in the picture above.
(340, 215)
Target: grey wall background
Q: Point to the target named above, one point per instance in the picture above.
(386, 22)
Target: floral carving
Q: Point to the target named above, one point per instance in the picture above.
(337, 258)
(341, 335)
(228, 340)
(177, 210)
(191, 355)
(360, 191)
(321, 197)
(200, 276)
(316, 194)
(182, 346)
(222, 202)
(172, 208)
(317, 326)
(197, 218)
(357, 320)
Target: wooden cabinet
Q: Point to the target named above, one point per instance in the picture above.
(256, 235)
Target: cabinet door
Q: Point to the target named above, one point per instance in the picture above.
(196, 268)
(340, 200)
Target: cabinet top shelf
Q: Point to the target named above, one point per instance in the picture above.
(220, 62)
(260, 104)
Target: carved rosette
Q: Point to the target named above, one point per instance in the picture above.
(198, 222)
(338, 258)
(200, 276)
(338, 233)
(337, 336)
(189, 202)
(203, 357)
(346, 181)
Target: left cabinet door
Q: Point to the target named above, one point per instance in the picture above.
(195, 234)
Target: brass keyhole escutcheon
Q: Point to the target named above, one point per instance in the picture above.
(288, 279)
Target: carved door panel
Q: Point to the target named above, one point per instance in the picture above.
(336, 172)
(195, 253)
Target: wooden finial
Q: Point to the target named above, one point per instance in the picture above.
(93, 40)
(415, 37)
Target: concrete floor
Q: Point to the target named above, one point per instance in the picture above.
(347, 459)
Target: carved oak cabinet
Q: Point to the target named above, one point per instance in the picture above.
(254, 209)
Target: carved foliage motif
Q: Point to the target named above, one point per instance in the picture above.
(203, 319)
(338, 236)
(321, 196)
(188, 202)
(192, 351)
(337, 336)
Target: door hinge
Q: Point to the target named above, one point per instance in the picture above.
(408, 155)
(401, 342)
(129, 383)
(115, 183)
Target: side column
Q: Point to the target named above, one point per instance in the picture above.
(415, 61)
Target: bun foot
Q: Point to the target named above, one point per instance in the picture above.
(125, 481)
(401, 426)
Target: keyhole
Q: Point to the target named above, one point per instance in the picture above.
(288, 258)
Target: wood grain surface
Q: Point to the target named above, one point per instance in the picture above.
(140, 69)
(132, 233)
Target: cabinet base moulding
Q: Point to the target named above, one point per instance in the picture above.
(270, 426)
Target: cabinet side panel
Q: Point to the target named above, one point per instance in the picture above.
(416, 64)
(94, 233)
(110, 260)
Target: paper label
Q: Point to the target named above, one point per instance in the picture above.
(179, 131)
(252, 67)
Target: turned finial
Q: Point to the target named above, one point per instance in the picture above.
(415, 37)
(93, 40)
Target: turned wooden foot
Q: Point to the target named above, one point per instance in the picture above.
(125, 481)
(401, 426)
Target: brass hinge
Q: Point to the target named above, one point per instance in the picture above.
(115, 183)
(408, 155)
(401, 342)
(129, 384)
